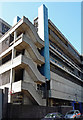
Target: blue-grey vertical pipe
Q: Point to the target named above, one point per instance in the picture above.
(43, 33)
(46, 49)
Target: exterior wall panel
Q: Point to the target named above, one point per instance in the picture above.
(65, 89)
(5, 78)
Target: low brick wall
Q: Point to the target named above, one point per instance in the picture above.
(30, 112)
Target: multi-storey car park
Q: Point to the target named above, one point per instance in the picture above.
(39, 65)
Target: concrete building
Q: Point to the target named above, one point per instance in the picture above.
(4, 27)
(39, 65)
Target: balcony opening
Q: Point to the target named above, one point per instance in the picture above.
(79, 73)
(59, 102)
(5, 59)
(11, 39)
(19, 74)
(17, 98)
(19, 32)
(82, 76)
(44, 88)
(18, 52)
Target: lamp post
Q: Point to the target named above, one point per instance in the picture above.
(46, 92)
(76, 96)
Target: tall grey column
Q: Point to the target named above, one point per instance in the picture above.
(44, 35)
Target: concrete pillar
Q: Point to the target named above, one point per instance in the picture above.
(15, 35)
(13, 53)
(10, 89)
(1, 91)
(12, 80)
(12, 75)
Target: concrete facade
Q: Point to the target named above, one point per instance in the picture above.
(21, 63)
(66, 83)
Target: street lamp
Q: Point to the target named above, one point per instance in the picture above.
(46, 91)
(76, 96)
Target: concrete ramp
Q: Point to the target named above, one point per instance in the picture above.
(32, 70)
(34, 93)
